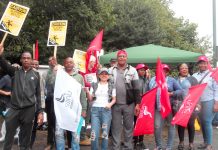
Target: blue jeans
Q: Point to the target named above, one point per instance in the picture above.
(206, 116)
(159, 123)
(60, 142)
(100, 118)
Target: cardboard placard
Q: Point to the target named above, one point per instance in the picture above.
(13, 18)
(79, 58)
(57, 33)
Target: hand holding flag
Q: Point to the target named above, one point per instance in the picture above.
(164, 96)
(145, 120)
(183, 115)
(93, 49)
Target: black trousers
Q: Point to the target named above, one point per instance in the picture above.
(22, 118)
(33, 136)
(49, 108)
(140, 138)
(191, 129)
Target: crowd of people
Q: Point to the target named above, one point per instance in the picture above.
(111, 104)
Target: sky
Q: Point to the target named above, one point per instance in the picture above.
(196, 11)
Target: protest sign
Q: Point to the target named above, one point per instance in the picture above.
(79, 58)
(57, 33)
(13, 18)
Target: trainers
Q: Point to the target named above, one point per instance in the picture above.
(181, 146)
(158, 148)
(86, 142)
(202, 146)
(209, 147)
(143, 146)
(2, 139)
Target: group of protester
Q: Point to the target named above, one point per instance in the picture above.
(112, 103)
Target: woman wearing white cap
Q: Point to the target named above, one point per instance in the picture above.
(103, 96)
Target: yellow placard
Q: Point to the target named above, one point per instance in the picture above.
(13, 18)
(79, 58)
(57, 33)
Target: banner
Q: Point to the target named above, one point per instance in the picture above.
(67, 101)
(57, 33)
(79, 58)
(162, 85)
(182, 116)
(145, 120)
(13, 18)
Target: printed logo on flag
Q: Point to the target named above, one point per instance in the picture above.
(145, 112)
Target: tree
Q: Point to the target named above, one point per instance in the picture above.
(85, 19)
(126, 23)
(150, 21)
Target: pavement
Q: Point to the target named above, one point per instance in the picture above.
(41, 139)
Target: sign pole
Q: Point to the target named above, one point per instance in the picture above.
(34, 49)
(4, 37)
(55, 51)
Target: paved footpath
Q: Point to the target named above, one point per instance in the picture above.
(149, 140)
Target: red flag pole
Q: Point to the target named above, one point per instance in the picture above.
(36, 51)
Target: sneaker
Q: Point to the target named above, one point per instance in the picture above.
(158, 148)
(86, 142)
(202, 146)
(143, 146)
(209, 147)
(181, 147)
(2, 139)
(191, 147)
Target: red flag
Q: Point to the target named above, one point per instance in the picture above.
(36, 51)
(182, 116)
(94, 48)
(214, 74)
(145, 120)
(164, 96)
(209, 66)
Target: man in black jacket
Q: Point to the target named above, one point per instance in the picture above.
(25, 97)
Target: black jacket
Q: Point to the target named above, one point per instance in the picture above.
(25, 86)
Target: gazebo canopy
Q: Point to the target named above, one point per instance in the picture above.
(149, 54)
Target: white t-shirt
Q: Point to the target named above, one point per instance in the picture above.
(102, 95)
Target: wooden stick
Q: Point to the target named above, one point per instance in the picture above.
(34, 49)
(55, 51)
(3, 40)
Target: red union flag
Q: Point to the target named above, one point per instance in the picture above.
(164, 96)
(214, 74)
(182, 116)
(94, 46)
(145, 120)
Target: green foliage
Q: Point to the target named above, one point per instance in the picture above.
(150, 21)
(126, 23)
(85, 20)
